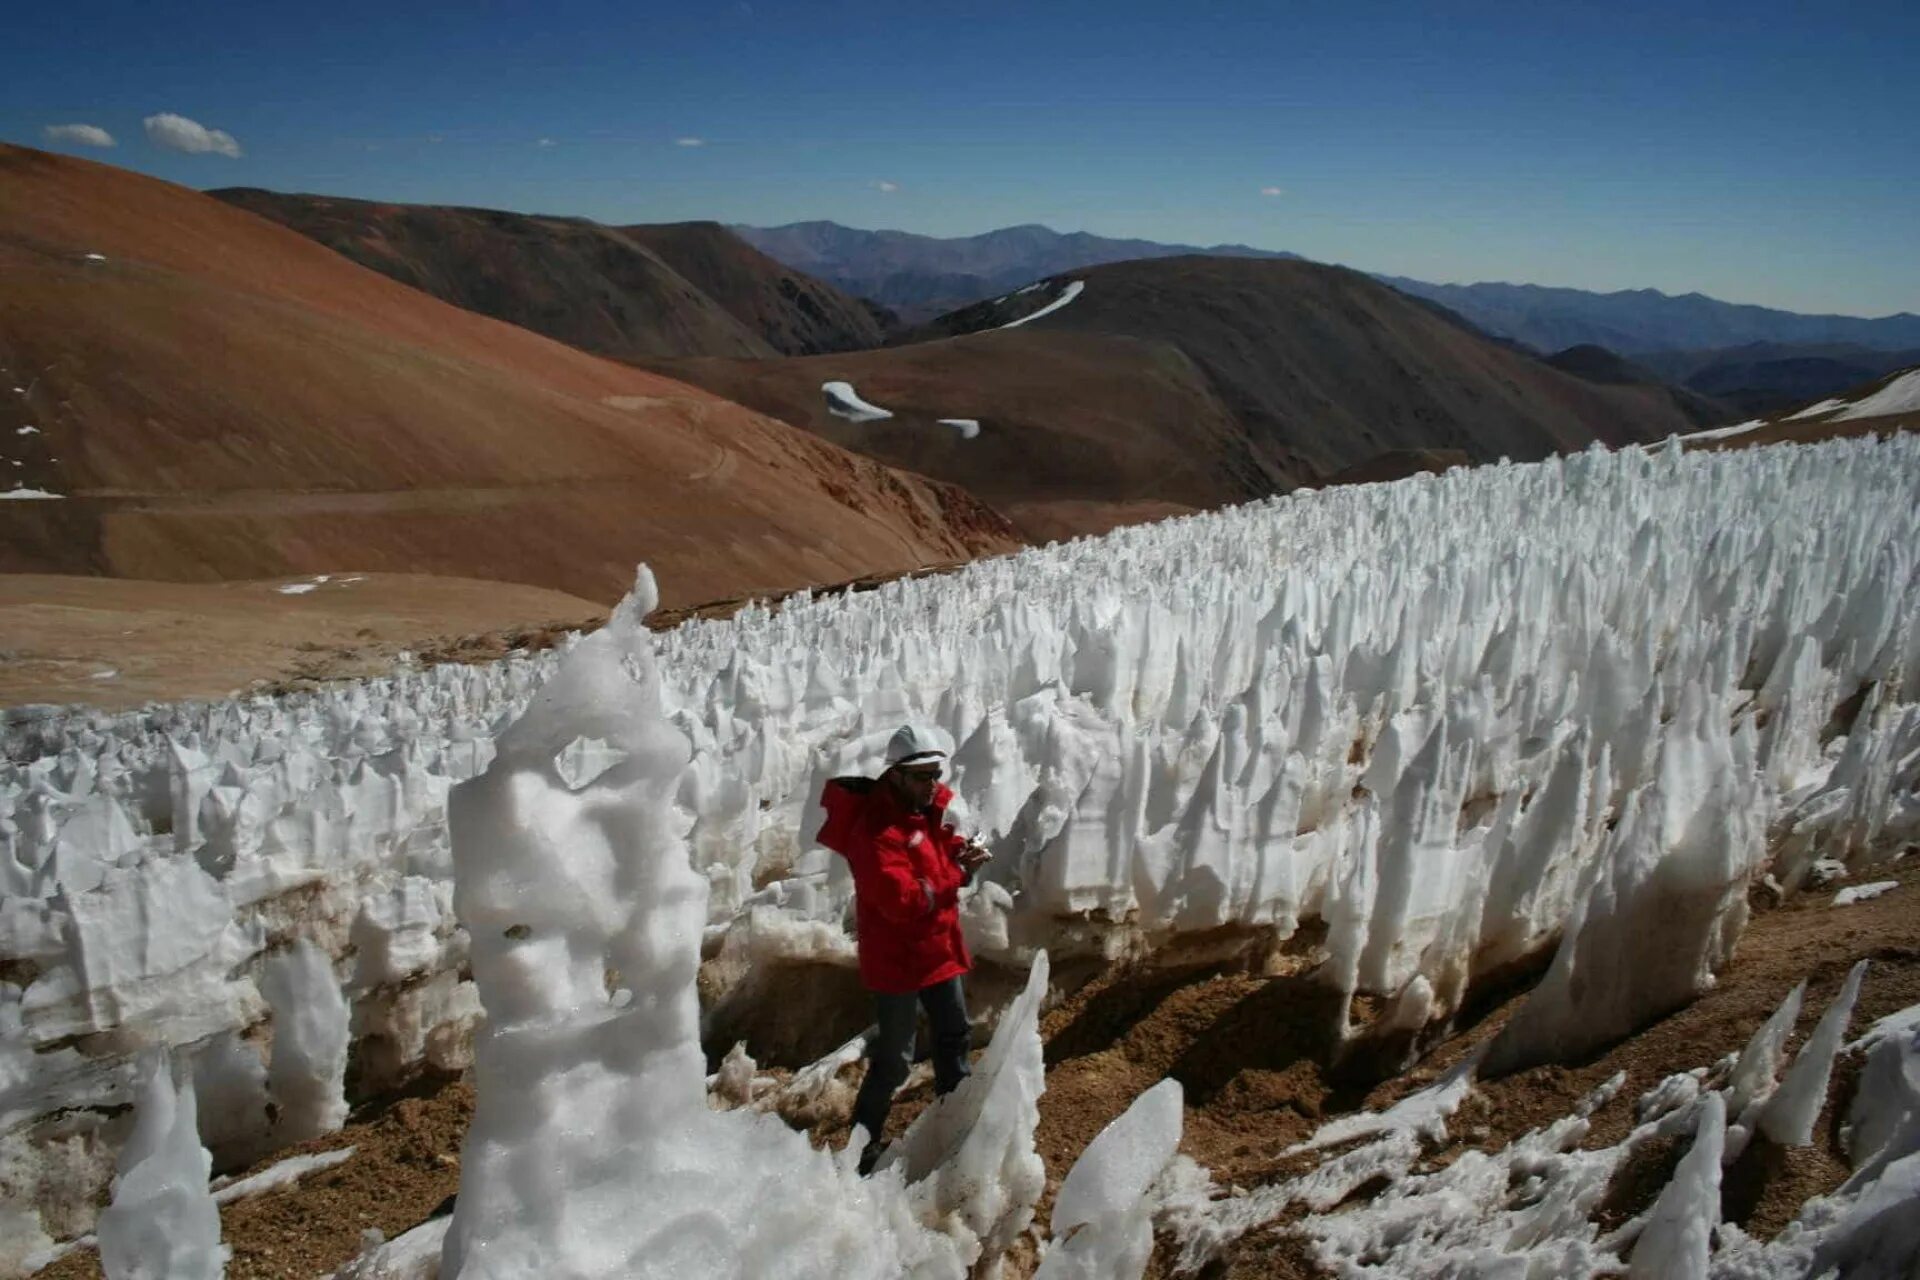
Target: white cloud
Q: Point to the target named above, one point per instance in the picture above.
(689, 142)
(888, 187)
(546, 142)
(1273, 191)
(177, 133)
(79, 135)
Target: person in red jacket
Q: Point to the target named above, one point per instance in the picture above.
(909, 866)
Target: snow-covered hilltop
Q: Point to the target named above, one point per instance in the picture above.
(1462, 723)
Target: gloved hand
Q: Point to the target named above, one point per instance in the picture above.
(973, 855)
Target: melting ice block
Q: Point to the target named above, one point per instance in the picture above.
(592, 1150)
(1102, 1218)
(969, 1160)
(162, 1224)
(1789, 1114)
(306, 1074)
(1677, 867)
(1679, 1230)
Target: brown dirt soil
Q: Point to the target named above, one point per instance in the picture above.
(166, 641)
(1250, 1051)
(405, 1167)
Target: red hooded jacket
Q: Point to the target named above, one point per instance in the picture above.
(906, 884)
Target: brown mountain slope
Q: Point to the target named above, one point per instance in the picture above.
(1188, 382)
(574, 281)
(1325, 367)
(794, 313)
(1598, 365)
(1076, 432)
(675, 289)
(217, 397)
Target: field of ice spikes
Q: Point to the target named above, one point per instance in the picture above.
(1563, 709)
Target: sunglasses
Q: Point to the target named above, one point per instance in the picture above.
(921, 775)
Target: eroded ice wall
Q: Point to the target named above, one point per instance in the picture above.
(1421, 714)
(592, 1150)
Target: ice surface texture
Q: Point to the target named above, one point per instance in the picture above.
(1458, 719)
(1528, 1209)
(1103, 1214)
(162, 1224)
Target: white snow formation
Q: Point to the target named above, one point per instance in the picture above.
(285, 1173)
(1462, 722)
(1721, 433)
(1901, 395)
(1815, 410)
(844, 402)
(1103, 1213)
(413, 1256)
(1073, 290)
(967, 428)
(24, 494)
(307, 1071)
(162, 1224)
(1862, 892)
(592, 1151)
(1526, 1210)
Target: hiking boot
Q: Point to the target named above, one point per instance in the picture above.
(870, 1156)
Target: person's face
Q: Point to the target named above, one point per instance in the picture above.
(915, 783)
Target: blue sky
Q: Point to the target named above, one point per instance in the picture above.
(1756, 152)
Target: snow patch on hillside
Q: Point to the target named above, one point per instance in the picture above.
(844, 402)
(1902, 395)
(1862, 892)
(1721, 433)
(1073, 290)
(1815, 410)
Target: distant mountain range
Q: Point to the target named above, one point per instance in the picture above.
(921, 276)
(1764, 378)
(1636, 322)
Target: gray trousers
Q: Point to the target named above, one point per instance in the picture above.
(890, 1052)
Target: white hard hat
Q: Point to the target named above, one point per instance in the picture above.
(914, 744)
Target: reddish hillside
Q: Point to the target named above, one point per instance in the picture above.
(217, 397)
(574, 281)
(675, 289)
(794, 313)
